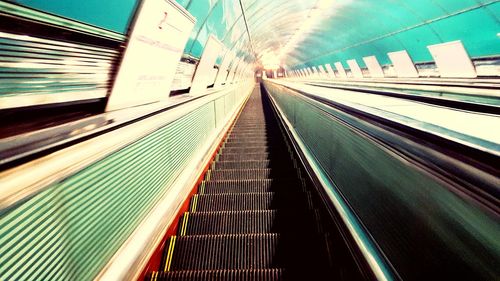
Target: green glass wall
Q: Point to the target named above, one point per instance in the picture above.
(114, 15)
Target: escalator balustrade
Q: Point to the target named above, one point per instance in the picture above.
(252, 218)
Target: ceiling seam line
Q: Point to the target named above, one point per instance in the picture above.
(398, 31)
(248, 31)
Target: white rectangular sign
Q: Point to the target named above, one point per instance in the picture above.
(330, 71)
(452, 60)
(205, 67)
(183, 76)
(232, 72)
(355, 69)
(374, 67)
(403, 64)
(322, 72)
(222, 74)
(155, 47)
(340, 69)
(315, 71)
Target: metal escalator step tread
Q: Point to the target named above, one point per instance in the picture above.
(271, 274)
(247, 139)
(244, 127)
(234, 202)
(234, 251)
(246, 201)
(246, 222)
(253, 149)
(249, 186)
(230, 222)
(243, 144)
(243, 156)
(252, 164)
(246, 174)
(251, 133)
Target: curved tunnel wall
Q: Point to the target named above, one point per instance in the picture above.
(365, 28)
(350, 30)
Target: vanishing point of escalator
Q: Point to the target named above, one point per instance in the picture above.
(252, 218)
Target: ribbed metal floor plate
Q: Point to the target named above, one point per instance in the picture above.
(238, 251)
(274, 274)
(249, 186)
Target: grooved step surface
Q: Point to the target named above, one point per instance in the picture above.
(245, 174)
(232, 222)
(246, 201)
(241, 143)
(248, 251)
(250, 186)
(253, 218)
(241, 222)
(273, 274)
(255, 164)
(257, 149)
(243, 156)
(247, 139)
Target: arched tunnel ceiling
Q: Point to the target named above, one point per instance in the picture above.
(299, 33)
(306, 33)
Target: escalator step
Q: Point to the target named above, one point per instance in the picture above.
(273, 274)
(243, 144)
(243, 156)
(251, 133)
(235, 251)
(246, 201)
(233, 202)
(245, 222)
(241, 164)
(229, 222)
(245, 174)
(249, 186)
(247, 139)
(253, 149)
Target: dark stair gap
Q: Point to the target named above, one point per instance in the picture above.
(253, 218)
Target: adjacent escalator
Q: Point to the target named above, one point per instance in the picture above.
(253, 217)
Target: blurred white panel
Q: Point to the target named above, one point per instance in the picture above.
(340, 69)
(315, 71)
(232, 72)
(452, 60)
(322, 72)
(329, 68)
(152, 54)
(355, 69)
(183, 76)
(222, 74)
(213, 75)
(310, 72)
(240, 70)
(204, 70)
(403, 64)
(373, 66)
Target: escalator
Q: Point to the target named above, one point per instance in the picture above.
(253, 217)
